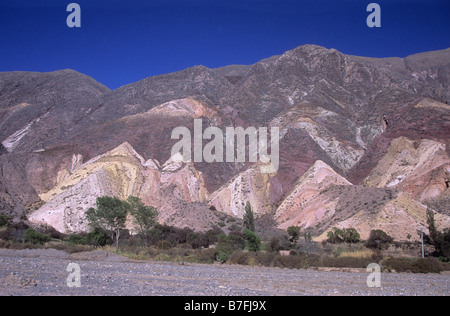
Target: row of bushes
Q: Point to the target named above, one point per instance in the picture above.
(174, 244)
(292, 261)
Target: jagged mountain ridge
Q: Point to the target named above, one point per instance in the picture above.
(340, 109)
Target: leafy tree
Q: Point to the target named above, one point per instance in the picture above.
(110, 215)
(440, 240)
(144, 216)
(335, 236)
(349, 235)
(378, 239)
(253, 242)
(249, 218)
(294, 233)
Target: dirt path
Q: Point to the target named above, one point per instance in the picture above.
(44, 272)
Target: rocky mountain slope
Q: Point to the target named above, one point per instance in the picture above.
(364, 142)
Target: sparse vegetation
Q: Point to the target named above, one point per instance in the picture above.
(35, 237)
(154, 241)
(413, 265)
(5, 221)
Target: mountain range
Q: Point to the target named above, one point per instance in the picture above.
(364, 143)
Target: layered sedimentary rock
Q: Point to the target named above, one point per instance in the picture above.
(121, 173)
(248, 186)
(372, 133)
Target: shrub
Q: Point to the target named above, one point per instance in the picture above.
(237, 240)
(345, 262)
(273, 245)
(253, 242)
(264, 258)
(239, 257)
(291, 262)
(163, 245)
(207, 255)
(76, 239)
(211, 236)
(5, 234)
(5, 220)
(195, 240)
(421, 265)
(95, 238)
(222, 257)
(225, 247)
(294, 233)
(35, 237)
(98, 238)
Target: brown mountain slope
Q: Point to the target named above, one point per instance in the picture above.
(352, 113)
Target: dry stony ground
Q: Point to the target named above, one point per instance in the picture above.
(44, 272)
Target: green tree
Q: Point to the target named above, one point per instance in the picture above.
(378, 239)
(335, 236)
(110, 215)
(294, 233)
(145, 217)
(440, 240)
(351, 235)
(253, 242)
(249, 217)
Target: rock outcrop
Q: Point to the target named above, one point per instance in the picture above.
(364, 142)
(121, 173)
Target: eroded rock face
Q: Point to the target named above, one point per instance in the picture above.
(121, 173)
(302, 206)
(250, 185)
(402, 217)
(372, 135)
(322, 200)
(419, 168)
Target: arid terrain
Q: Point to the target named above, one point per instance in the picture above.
(364, 143)
(43, 272)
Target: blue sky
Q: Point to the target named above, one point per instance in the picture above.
(121, 42)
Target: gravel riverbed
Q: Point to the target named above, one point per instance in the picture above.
(44, 272)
